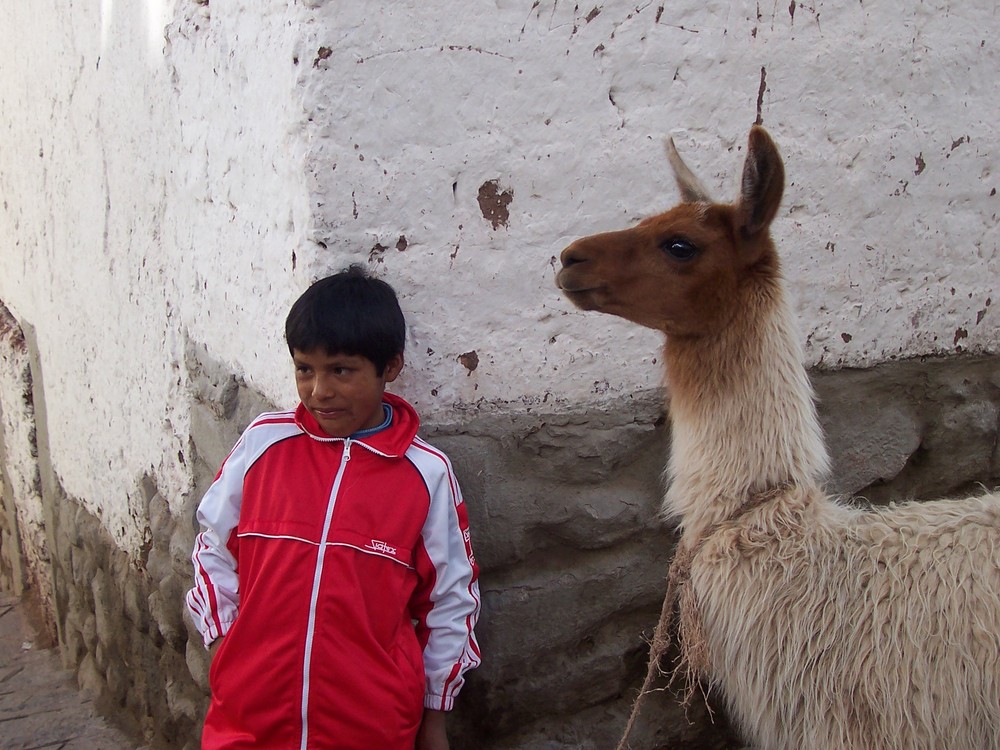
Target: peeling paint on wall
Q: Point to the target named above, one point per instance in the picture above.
(323, 53)
(469, 360)
(982, 313)
(494, 203)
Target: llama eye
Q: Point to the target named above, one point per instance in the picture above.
(679, 249)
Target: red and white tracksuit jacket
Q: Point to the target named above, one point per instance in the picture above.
(341, 575)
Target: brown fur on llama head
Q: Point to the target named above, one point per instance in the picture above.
(683, 272)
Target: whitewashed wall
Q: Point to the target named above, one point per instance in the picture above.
(174, 171)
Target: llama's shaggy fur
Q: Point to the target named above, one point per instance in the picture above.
(824, 626)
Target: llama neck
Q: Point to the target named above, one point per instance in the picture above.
(742, 412)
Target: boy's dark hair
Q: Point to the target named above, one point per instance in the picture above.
(350, 312)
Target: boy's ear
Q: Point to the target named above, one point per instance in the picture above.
(393, 367)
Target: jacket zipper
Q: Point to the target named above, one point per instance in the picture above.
(317, 577)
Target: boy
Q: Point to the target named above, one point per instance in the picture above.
(334, 573)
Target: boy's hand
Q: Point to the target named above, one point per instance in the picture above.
(432, 734)
(212, 648)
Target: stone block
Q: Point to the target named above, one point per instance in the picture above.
(964, 442)
(158, 563)
(106, 610)
(100, 656)
(871, 430)
(134, 602)
(178, 703)
(73, 646)
(212, 440)
(197, 659)
(165, 610)
(89, 677)
(583, 610)
(118, 682)
(180, 546)
(182, 703)
(602, 516)
(210, 382)
(940, 415)
(515, 510)
(161, 521)
(88, 632)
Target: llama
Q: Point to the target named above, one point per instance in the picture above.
(820, 625)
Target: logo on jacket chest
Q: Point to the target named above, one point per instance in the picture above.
(381, 547)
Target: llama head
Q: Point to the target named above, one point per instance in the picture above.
(682, 271)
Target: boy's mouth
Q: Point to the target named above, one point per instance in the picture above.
(328, 413)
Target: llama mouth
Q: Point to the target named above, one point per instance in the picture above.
(566, 284)
(582, 298)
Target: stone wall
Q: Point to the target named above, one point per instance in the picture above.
(563, 507)
(15, 412)
(24, 540)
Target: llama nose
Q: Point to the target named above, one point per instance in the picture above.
(572, 255)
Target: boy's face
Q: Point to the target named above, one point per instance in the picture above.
(342, 391)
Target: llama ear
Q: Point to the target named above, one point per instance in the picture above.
(692, 191)
(762, 185)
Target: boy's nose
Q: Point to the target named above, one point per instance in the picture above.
(322, 388)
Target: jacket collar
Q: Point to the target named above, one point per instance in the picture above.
(391, 442)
